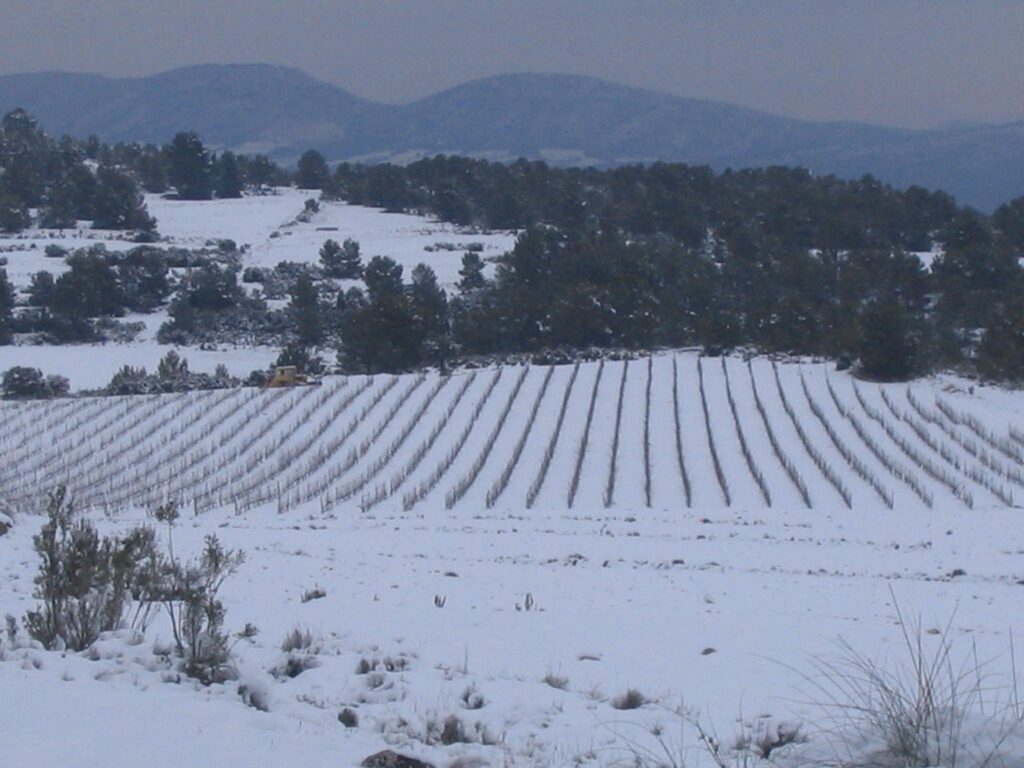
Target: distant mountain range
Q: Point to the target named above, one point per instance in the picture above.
(566, 120)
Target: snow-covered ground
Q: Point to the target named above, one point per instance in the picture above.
(717, 607)
(268, 224)
(513, 547)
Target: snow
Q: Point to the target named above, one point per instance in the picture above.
(360, 488)
(269, 226)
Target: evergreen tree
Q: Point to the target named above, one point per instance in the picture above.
(40, 289)
(344, 261)
(429, 306)
(119, 204)
(13, 214)
(89, 289)
(59, 209)
(229, 178)
(260, 172)
(1001, 352)
(189, 167)
(143, 276)
(151, 167)
(172, 372)
(381, 335)
(7, 300)
(305, 311)
(27, 158)
(21, 382)
(886, 345)
(81, 184)
(471, 273)
(312, 171)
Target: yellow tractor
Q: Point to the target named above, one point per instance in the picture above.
(289, 376)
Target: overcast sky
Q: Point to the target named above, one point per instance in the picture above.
(900, 62)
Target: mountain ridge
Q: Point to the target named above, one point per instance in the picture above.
(564, 119)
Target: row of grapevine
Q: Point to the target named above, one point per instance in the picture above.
(744, 448)
(413, 497)
(609, 491)
(894, 468)
(463, 484)
(986, 458)
(722, 484)
(581, 451)
(350, 489)
(506, 474)
(483, 436)
(934, 471)
(852, 460)
(790, 469)
(549, 452)
(679, 431)
(815, 455)
(943, 449)
(1006, 446)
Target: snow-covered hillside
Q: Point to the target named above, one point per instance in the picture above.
(517, 548)
(485, 567)
(270, 226)
(662, 432)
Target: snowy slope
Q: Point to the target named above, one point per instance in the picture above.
(269, 226)
(440, 442)
(378, 491)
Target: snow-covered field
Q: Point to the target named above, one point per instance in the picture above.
(514, 547)
(456, 572)
(268, 224)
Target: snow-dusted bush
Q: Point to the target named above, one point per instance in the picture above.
(85, 581)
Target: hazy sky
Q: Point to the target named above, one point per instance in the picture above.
(899, 62)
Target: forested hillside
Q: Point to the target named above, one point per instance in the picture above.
(897, 282)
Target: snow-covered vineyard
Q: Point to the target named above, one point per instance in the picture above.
(666, 431)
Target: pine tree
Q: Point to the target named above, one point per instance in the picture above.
(189, 167)
(382, 333)
(344, 261)
(885, 343)
(229, 179)
(305, 311)
(119, 204)
(430, 313)
(13, 215)
(6, 308)
(471, 273)
(312, 171)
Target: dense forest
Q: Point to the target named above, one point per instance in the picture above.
(895, 282)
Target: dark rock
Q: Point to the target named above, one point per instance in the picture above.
(391, 759)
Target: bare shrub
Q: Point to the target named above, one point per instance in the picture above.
(631, 699)
(297, 640)
(556, 681)
(189, 593)
(927, 709)
(348, 718)
(313, 594)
